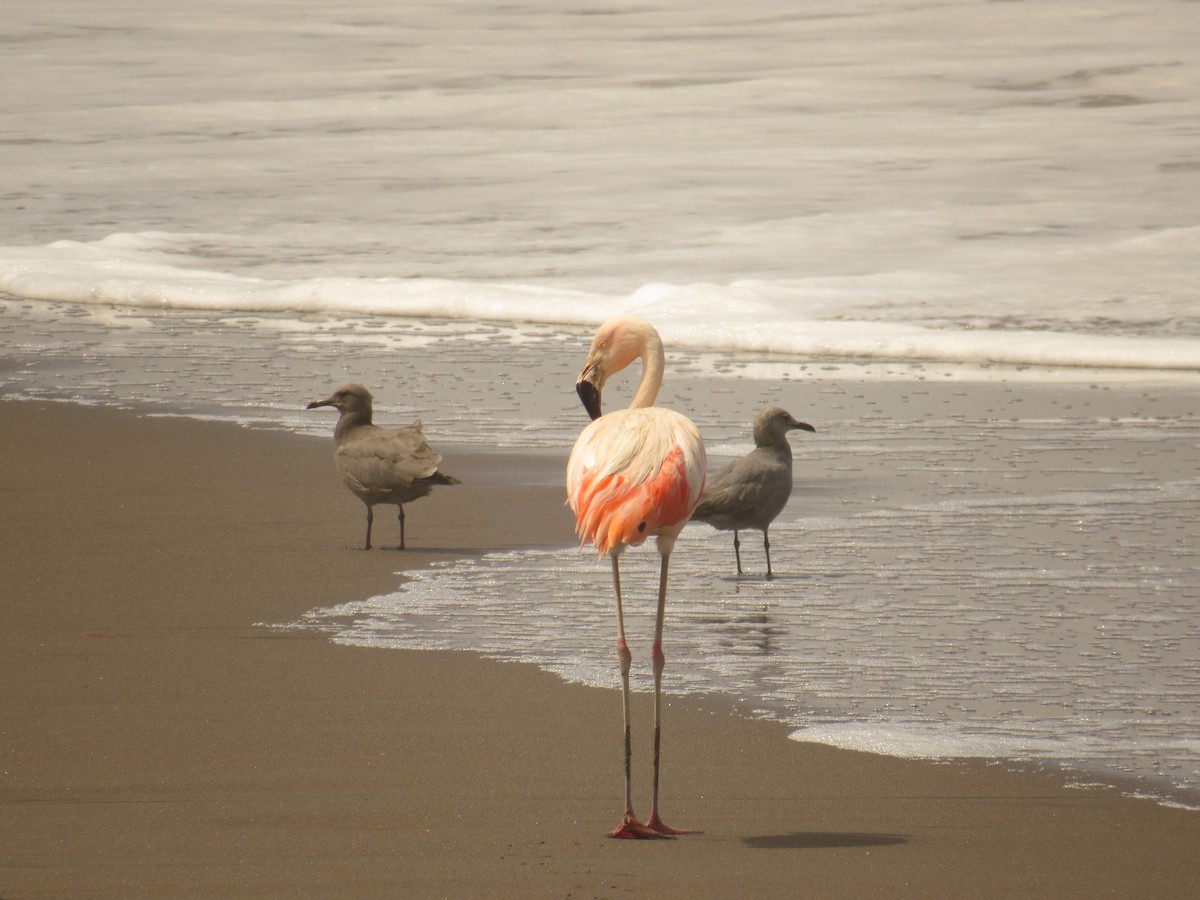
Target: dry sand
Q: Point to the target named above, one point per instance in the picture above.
(155, 742)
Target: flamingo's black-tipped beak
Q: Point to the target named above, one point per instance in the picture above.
(590, 395)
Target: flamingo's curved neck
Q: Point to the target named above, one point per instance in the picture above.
(654, 361)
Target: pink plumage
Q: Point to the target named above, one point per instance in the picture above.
(635, 474)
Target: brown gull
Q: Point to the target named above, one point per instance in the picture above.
(380, 465)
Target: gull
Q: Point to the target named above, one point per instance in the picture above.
(752, 491)
(376, 464)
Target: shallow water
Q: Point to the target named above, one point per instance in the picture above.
(900, 221)
(953, 585)
(976, 561)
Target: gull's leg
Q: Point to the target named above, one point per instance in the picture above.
(737, 551)
(767, 548)
(401, 505)
(370, 520)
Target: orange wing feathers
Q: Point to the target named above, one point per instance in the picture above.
(633, 474)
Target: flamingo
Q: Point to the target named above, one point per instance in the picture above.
(633, 474)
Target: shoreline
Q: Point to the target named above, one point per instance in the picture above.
(157, 743)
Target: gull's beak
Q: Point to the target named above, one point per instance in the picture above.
(317, 403)
(803, 426)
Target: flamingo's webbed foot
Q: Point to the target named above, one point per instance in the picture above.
(631, 829)
(656, 824)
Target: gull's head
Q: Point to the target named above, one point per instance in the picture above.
(773, 422)
(349, 398)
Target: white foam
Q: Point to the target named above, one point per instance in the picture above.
(153, 271)
(966, 182)
(929, 741)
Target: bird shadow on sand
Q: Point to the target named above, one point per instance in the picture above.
(822, 840)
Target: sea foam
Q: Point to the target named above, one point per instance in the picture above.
(155, 271)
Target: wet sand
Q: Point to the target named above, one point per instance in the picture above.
(155, 741)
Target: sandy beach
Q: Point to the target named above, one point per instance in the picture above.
(157, 741)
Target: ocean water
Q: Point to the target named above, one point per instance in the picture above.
(961, 238)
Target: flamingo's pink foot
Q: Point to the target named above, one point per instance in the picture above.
(654, 823)
(631, 829)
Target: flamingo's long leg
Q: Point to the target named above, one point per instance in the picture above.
(629, 826)
(655, 822)
(624, 659)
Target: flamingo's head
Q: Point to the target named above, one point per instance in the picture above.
(618, 343)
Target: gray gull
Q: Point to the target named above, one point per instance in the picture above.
(752, 491)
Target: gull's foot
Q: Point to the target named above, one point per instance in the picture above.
(631, 829)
